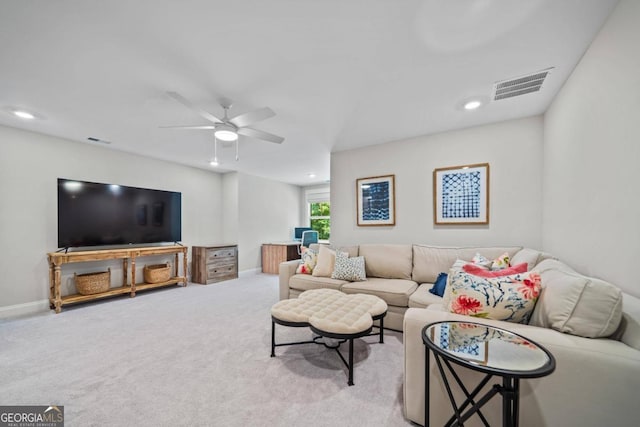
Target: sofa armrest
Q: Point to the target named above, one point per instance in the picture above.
(611, 368)
(286, 270)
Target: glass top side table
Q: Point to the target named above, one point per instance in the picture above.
(490, 350)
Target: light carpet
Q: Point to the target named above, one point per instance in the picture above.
(194, 356)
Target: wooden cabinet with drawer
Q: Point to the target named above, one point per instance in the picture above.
(215, 263)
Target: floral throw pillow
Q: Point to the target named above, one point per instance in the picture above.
(501, 262)
(511, 298)
(308, 261)
(481, 261)
(351, 269)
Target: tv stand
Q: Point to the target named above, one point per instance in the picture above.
(128, 256)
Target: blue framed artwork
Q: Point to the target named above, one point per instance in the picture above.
(376, 203)
(461, 194)
(464, 340)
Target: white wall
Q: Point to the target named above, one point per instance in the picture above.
(30, 164)
(514, 151)
(591, 215)
(267, 212)
(230, 208)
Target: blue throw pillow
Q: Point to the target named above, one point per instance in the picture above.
(441, 283)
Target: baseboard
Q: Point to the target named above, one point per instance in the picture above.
(23, 309)
(250, 272)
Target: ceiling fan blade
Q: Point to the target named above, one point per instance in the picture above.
(182, 100)
(189, 127)
(254, 133)
(251, 117)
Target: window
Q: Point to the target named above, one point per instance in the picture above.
(320, 219)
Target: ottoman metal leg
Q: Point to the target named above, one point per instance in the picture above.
(273, 338)
(350, 362)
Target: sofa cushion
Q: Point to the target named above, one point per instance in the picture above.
(531, 256)
(576, 304)
(629, 330)
(346, 268)
(393, 291)
(351, 250)
(387, 261)
(509, 298)
(429, 261)
(305, 282)
(422, 298)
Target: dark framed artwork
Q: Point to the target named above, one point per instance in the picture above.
(461, 194)
(376, 204)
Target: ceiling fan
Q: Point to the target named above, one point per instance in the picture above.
(227, 129)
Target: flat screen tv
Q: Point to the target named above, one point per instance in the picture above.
(93, 214)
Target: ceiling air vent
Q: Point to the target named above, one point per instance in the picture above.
(519, 86)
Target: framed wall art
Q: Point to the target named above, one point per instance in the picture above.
(461, 342)
(461, 194)
(376, 204)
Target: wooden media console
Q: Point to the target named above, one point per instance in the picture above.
(128, 256)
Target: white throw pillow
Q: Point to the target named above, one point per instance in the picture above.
(325, 263)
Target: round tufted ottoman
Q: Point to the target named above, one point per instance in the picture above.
(331, 314)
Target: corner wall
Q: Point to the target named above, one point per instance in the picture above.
(267, 212)
(514, 151)
(30, 164)
(591, 209)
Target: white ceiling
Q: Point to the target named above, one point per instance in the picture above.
(339, 74)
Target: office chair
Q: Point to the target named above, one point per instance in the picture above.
(308, 237)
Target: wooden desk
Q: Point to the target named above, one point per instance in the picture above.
(275, 253)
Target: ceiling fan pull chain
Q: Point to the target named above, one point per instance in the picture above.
(215, 149)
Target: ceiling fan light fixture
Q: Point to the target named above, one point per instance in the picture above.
(225, 133)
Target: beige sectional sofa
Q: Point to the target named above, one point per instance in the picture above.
(399, 274)
(590, 326)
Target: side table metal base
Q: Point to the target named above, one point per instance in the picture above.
(510, 391)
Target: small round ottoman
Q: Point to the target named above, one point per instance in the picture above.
(331, 314)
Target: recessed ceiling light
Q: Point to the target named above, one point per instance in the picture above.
(24, 114)
(214, 162)
(472, 105)
(311, 175)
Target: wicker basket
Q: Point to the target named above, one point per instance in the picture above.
(93, 283)
(157, 273)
